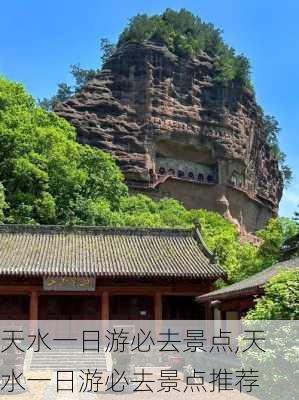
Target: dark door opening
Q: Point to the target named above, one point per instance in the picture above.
(69, 307)
(181, 307)
(14, 307)
(126, 307)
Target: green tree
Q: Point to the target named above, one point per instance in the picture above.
(107, 50)
(80, 75)
(279, 302)
(3, 204)
(219, 234)
(48, 177)
(272, 130)
(238, 260)
(277, 231)
(296, 217)
(64, 92)
(281, 298)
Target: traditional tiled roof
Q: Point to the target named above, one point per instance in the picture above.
(249, 285)
(107, 252)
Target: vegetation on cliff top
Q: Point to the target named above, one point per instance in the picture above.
(186, 35)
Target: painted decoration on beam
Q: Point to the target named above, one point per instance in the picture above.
(69, 284)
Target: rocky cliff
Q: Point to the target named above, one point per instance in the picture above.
(175, 132)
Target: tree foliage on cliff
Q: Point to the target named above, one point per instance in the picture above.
(80, 75)
(186, 35)
(47, 176)
(272, 131)
(65, 91)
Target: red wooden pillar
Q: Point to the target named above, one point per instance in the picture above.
(33, 312)
(209, 311)
(105, 313)
(157, 313)
(158, 306)
(33, 315)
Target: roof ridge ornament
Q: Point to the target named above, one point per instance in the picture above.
(198, 237)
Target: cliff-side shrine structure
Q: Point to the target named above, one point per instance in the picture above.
(176, 133)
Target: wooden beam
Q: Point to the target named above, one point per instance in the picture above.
(33, 306)
(150, 288)
(105, 313)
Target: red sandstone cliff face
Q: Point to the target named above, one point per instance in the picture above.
(148, 107)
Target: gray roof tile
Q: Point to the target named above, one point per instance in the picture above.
(255, 281)
(107, 252)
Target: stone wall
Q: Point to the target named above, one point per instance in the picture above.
(252, 214)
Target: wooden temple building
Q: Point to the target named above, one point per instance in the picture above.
(55, 272)
(234, 301)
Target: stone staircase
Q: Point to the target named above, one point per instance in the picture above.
(69, 359)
